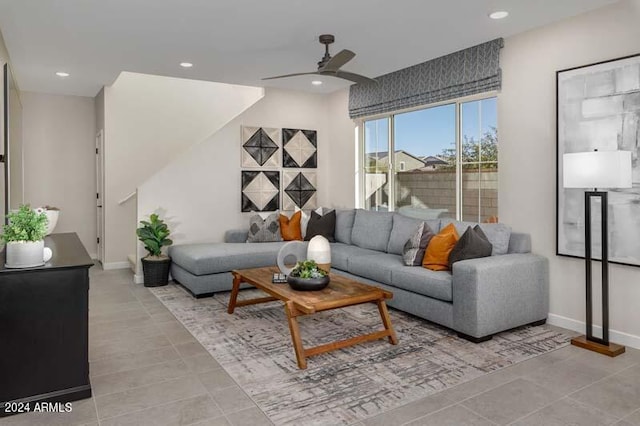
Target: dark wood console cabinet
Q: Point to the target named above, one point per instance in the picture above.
(44, 325)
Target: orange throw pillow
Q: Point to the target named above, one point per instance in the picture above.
(290, 227)
(436, 257)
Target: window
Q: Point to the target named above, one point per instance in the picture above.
(376, 164)
(441, 160)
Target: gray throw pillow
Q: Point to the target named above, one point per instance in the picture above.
(415, 247)
(473, 244)
(264, 231)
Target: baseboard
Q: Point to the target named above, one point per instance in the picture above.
(115, 265)
(619, 337)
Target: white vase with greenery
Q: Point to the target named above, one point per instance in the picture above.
(24, 237)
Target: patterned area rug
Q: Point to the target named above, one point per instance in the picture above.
(342, 387)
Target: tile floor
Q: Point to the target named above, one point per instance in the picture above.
(147, 369)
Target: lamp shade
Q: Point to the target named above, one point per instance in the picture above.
(597, 169)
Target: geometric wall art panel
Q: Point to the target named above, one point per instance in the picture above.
(598, 108)
(260, 191)
(260, 147)
(299, 190)
(299, 148)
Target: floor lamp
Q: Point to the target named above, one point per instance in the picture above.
(597, 169)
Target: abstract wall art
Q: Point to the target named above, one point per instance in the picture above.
(260, 191)
(299, 190)
(260, 147)
(598, 107)
(300, 148)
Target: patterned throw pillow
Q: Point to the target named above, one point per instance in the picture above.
(264, 231)
(414, 248)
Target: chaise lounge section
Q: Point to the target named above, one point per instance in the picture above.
(478, 298)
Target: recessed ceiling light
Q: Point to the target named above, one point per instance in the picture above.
(499, 14)
(186, 64)
(316, 82)
(62, 74)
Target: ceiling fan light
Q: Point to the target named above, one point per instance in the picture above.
(316, 82)
(499, 14)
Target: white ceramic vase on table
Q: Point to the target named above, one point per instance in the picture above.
(320, 251)
(52, 217)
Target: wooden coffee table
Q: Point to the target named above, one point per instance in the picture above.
(340, 293)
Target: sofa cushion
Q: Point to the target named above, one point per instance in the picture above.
(403, 228)
(341, 253)
(416, 246)
(290, 226)
(498, 234)
(436, 284)
(376, 267)
(324, 225)
(344, 225)
(436, 256)
(213, 258)
(264, 230)
(473, 244)
(371, 230)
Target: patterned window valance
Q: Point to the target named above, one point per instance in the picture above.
(467, 72)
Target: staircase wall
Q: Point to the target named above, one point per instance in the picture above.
(149, 121)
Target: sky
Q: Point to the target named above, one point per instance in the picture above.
(430, 131)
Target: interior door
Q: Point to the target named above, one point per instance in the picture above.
(99, 194)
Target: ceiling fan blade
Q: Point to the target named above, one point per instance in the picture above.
(338, 60)
(290, 75)
(356, 78)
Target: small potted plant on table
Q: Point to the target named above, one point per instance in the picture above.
(154, 234)
(24, 236)
(307, 276)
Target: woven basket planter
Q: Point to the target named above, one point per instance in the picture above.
(156, 272)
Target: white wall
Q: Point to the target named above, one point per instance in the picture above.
(199, 193)
(59, 160)
(527, 125)
(340, 190)
(149, 121)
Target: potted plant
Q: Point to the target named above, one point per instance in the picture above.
(307, 276)
(24, 237)
(154, 234)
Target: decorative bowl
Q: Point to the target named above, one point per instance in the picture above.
(308, 284)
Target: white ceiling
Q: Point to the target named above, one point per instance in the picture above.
(240, 41)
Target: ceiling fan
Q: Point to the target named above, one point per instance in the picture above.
(330, 65)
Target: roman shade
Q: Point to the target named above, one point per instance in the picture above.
(463, 73)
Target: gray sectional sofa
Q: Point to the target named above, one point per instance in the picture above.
(478, 298)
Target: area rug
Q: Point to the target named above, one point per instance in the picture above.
(342, 387)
